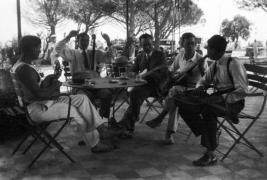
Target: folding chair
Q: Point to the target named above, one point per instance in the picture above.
(39, 130)
(257, 79)
(152, 104)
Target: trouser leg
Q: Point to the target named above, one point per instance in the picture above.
(173, 115)
(91, 118)
(105, 96)
(210, 115)
(191, 116)
(137, 97)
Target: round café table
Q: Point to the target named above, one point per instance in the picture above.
(119, 84)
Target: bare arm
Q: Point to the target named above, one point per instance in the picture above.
(61, 48)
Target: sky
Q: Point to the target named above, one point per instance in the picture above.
(215, 11)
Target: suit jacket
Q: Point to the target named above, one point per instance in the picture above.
(158, 78)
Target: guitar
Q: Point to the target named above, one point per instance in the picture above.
(48, 81)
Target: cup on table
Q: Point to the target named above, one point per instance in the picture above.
(109, 70)
(122, 72)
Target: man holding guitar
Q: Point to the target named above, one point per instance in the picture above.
(84, 65)
(149, 60)
(186, 70)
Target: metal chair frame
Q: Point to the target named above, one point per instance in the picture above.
(257, 79)
(38, 131)
(151, 105)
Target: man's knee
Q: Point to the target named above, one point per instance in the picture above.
(80, 97)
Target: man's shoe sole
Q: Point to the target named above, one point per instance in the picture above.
(208, 164)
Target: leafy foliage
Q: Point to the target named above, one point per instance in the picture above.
(88, 12)
(252, 4)
(238, 27)
(167, 16)
(45, 13)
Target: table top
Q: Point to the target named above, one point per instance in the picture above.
(106, 83)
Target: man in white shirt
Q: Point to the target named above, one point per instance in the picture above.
(226, 73)
(84, 66)
(192, 66)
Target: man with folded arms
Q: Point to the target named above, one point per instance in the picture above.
(84, 66)
(189, 64)
(227, 75)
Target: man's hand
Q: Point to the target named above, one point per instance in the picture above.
(176, 75)
(142, 74)
(176, 90)
(72, 33)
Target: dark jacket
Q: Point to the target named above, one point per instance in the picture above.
(158, 78)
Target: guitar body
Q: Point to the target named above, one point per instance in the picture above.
(49, 79)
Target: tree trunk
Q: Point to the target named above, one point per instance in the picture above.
(131, 19)
(53, 29)
(131, 26)
(156, 34)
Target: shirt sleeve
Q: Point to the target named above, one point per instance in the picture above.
(66, 53)
(240, 79)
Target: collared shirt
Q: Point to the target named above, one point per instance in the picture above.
(76, 59)
(181, 65)
(222, 81)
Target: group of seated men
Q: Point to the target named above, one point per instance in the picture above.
(188, 70)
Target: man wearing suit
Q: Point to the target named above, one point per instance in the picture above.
(146, 60)
(84, 66)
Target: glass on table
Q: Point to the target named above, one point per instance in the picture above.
(109, 70)
(122, 72)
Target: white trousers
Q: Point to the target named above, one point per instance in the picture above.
(173, 115)
(82, 110)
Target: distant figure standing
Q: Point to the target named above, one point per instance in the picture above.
(255, 49)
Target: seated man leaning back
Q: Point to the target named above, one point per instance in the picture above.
(84, 66)
(90, 125)
(151, 66)
(187, 68)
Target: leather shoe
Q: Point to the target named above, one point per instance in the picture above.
(169, 140)
(101, 148)
(206, 160)
(126, 134)
(153, 123)
(108, 133)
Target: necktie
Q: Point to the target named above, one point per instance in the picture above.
(85, 59)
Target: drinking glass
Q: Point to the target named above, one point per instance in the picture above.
(109, 70)
(122, 72)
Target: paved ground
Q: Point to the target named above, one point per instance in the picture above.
(143, 157)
